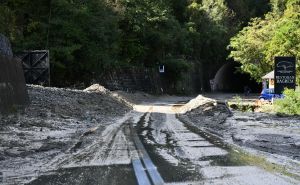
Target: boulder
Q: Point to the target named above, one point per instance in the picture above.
(13, 91)
(5, 47)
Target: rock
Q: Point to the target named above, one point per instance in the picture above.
(13, 152)
(5, 47)
(96, 88)
(81, 102)
(20, 134)
(50, 146)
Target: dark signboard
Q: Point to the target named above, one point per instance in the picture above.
(285, 73)
(36, 66)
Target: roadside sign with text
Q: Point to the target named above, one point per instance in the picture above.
(161, 68)
(285, 73)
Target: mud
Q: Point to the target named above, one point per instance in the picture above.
(185, 154)
(55, 123)
(97, 175)
(275, 137)
(87, 138)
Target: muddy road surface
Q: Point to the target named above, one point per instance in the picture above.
(151, 146)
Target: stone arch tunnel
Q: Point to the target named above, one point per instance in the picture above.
(228, 79)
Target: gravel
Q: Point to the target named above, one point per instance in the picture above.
(51, 125)
(275, 137)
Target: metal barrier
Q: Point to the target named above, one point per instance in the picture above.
(36, 66)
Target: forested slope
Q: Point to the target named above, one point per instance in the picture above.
(87, 38)
(276, 34)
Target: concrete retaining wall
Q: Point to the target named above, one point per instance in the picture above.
(132, 79)
(13, 90)
(149, 80)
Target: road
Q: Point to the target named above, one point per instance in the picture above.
(150, 145)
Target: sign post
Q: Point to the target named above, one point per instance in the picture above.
(161, 68)
(285, 73)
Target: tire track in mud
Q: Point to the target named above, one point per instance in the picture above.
(181, 154)
(183, 170)
(186, 155)
(91, 152)
(108, 144)
(146, 172)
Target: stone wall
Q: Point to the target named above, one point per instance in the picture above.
(132, 79)
(149, 80)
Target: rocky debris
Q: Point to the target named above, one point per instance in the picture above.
(209, 115)
(136, 97)
(273, 136)
(5, 47)
(51, 125)
(196, 103)
(96, 88)
(265, 132)
(50, 146)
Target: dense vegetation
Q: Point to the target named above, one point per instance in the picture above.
(290, 104)
(87, 38)
(276, 34)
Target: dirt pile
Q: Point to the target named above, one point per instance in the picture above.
(51, 125)
(96, 88)
(196, 103)
(209, 115)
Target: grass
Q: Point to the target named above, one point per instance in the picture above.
(237, 103)
(290, 104)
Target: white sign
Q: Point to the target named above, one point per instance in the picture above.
(161, 68)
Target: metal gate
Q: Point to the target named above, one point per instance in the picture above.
(36, 66)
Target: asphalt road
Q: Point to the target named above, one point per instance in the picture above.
(151, 146)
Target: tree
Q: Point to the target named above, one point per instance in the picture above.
(150, 32)
(82, 37)
(7, 21)
(86, 38)
(275, 35)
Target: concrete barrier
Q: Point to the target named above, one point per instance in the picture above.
(13, 92)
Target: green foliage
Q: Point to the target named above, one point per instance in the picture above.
(174, 68)
(290, 104)
(7, 21)
(238, 103)
(209, 30)
(150, 32)
(83, 37)
(277, 34)
(86, 38)
(244, 10)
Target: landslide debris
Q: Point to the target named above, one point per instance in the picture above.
(52, 124)
(273, 136)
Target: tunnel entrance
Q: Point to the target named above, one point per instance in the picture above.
(228, 79)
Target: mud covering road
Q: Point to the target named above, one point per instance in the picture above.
(108, 144)
(277, 138)
(53, 125)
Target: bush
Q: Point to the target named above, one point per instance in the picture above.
(174, 78)
(290, 104)
(174, 69)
